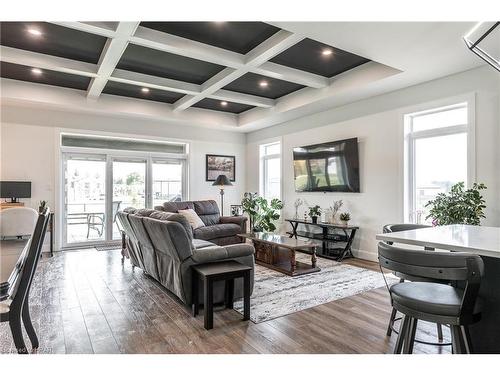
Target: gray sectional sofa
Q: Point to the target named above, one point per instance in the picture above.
(221, 230)
(162, 244)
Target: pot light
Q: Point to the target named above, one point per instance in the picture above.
(263, 84)
(36, 71)
(223, 103)
(327, 52)
(145, 90)
(34, 32)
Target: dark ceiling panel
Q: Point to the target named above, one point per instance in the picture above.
(49, 77)
(250, 84)
(216, 105)
(54, 40)
(240, 37)
(133, 91)
(308, 55)
(163, 64)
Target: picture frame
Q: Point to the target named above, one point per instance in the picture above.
(236, 210)
(216, 165)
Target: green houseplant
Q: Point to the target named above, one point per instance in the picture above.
(345, 217)
(459, 206)
(261, 213)
(314, 212)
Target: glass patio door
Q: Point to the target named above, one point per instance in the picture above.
(130, 187)
(84, 198)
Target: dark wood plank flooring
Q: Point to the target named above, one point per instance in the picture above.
(89, 302)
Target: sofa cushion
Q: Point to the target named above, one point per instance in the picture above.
(208, 211)
(176, 206)
(216, 231)
(192, 218)
(200, 244)
(170, 216)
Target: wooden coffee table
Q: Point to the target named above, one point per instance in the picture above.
(278, 253)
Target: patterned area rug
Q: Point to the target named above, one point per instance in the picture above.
(276, 294)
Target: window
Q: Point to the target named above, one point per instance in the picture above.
(270, 162)
(437, 156)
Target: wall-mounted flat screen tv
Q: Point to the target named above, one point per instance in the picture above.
(331, 166)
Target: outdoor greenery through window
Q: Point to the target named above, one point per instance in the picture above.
(270, 170)
(436, 156)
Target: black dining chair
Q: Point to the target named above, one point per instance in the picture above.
(434, 302)
(391, 228)
(14, 306)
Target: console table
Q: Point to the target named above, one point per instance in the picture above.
(335, 240)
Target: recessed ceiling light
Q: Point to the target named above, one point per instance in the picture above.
(36, 71)
(327, 52)
(263, 83)
(223, 103)
(34, 32)
(145, 90)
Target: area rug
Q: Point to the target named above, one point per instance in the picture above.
(108, 247)
(276, 294)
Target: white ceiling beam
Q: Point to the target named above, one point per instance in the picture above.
(189, 48)
(285, 73)
(236, 97)
(110, 56)
(153, 82)
(186, 47)
(99, 28)
(263, 52)
(42, 61)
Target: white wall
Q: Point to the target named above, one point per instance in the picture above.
(377, 123)
(29, 150)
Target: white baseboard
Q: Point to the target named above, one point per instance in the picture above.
(366, 255)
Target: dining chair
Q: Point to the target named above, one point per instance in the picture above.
(430, 301)
(391, 228)
(14, 306)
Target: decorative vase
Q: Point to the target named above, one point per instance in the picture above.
(314, 219)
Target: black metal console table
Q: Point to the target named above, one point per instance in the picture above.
(335, 239)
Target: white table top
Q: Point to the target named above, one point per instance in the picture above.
(468, 238)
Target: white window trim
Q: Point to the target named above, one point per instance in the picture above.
(262, 166)
(408, 159)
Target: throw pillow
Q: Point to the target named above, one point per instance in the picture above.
(192, 217)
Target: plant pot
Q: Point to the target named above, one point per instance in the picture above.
(314, 219)
(345, 222)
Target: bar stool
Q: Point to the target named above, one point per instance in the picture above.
(434, 302)
(391, 228)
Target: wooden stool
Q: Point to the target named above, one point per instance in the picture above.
(212, 272)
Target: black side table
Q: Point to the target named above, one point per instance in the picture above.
(211, 272)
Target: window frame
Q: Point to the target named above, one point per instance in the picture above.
(264, 158)
(410, 138)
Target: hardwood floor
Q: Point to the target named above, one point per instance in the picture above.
(89, 302)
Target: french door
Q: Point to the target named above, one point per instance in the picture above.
(97, 186)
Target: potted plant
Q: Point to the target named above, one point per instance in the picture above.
(345, 217)
(459, 206)
(262, 213)
(314, 212)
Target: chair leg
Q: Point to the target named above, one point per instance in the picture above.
(439, 331)
(466, 339)
(391, 322)
(410, 336)
(17, 334)
(456, 338)
(28, 325)
(401, 336)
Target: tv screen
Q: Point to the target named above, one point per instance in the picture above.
(15, 189)
(331, 166)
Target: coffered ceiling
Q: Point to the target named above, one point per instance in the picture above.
(238, 73)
